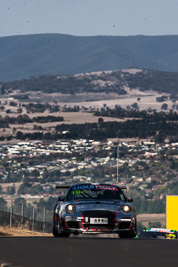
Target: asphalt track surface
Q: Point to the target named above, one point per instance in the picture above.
(87, 252)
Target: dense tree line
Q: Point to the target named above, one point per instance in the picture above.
(160, 81)
(157, 130)
(22, 119)
(42, 119)
(154, 116)
(40, 108)
(62, 84)
(114, 82)
(36, 107)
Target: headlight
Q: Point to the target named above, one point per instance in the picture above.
(70, 209)
(126, 209)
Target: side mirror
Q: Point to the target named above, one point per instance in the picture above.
(130, 199)
(61, 198)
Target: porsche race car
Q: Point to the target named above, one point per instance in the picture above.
(94, 209)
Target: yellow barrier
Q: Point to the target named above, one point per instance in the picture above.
(172, 212)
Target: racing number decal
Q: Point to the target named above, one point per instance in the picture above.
(77, 192)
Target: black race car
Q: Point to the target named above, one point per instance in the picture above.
(94, 209)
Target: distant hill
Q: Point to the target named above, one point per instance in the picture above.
(108, 82)
(31, 55)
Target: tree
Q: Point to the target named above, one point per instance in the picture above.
(19, 201)
(172, 164)
(2, 204)
(100, 120)
(35, 173)
(45, 174)
(19, 110)
(26, 182)
(20, 135)
(11, 190)
(36, 189)
(48, 204)
(8, 177)
(22, 189)
(164, 106)
(135, 106)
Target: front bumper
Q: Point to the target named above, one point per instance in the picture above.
(97, 222)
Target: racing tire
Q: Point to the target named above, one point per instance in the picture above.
(130, 234)
(56, 232)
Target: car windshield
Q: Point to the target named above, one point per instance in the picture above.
(95, 192)
(157, 235)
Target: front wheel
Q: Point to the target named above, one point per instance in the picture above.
(129, 234)
(56, 232)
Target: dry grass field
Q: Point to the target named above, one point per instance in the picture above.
(13, 231)
(145, 100)
(97, 100)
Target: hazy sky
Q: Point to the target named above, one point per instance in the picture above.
(89, 17)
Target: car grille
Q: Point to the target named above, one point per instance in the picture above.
(74, 225)
(95, 227)
(108, 227)
(124, 225)
(99, 214)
